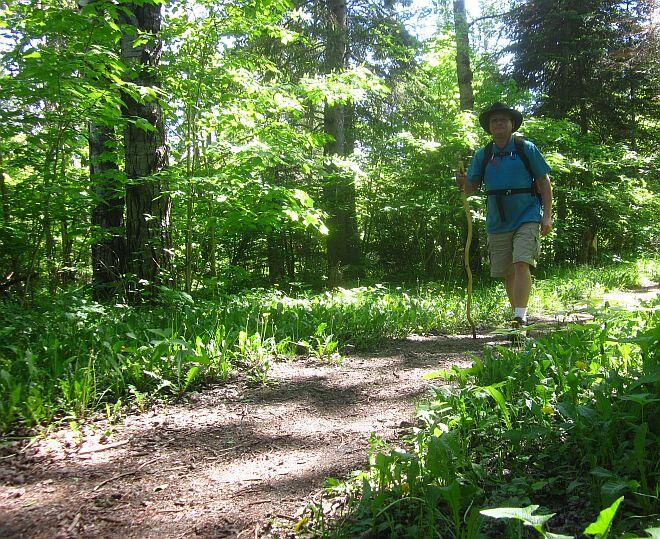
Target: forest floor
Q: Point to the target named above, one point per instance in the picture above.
(231, 460)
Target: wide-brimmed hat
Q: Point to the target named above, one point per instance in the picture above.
(484, 117)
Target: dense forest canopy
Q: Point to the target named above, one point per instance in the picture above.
(208, 146)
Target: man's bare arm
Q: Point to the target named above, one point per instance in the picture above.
(545, 189)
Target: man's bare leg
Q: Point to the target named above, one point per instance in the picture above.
(523, 284)
(509, 282)
(519, 285)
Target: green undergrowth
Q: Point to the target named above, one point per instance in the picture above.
(530, 441)
(62, 358)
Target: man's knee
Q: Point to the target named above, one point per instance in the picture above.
(521, 267)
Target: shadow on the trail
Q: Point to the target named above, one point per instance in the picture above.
(441, 344)
(199, 439)
(315, 391)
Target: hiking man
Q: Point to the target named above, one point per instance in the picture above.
(519, 202)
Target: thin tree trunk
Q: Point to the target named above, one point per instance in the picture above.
(189, 203)
(4, 194)
(148, 205)
(633, 118)
(463, 68)
(290, 256)
(211, 239)
(51, 161)
(466, 96)
(276, 246)
(584, 117)
(66, 271)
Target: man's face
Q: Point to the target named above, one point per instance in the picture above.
(500, 124)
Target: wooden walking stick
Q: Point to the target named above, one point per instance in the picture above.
(466, 253)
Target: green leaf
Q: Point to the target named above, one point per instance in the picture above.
(499, 399)
(603, 473)
(191, 375)
(442, 373)
(145, 125)
(601, 527)
(614, 488)
(520, 513)
(452, 494)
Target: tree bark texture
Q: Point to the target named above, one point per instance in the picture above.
(107, 214)
(148, 240)
(463, 68)
(4, 194)
(466, 96)
(339, 193)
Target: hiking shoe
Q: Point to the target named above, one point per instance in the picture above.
(519, 333)
(518, 323)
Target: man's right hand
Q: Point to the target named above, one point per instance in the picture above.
(461, 180)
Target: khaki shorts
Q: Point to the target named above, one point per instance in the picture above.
(521, 245)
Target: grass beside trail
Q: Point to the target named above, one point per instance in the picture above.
(560, 434)
(67, 356)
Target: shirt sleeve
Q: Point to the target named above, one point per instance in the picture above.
(538, 163)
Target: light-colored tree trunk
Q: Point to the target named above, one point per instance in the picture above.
(466, 96)
(463, 69)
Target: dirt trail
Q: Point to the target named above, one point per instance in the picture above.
(226, 461)
(229, 459)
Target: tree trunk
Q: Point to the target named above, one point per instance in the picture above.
(276, 261)
(50, 173)
(4, 195)
(148, 241)
(107, 214)
(466, 96)
(190, 207)
(210, 244)
(584, 118)
(633, 118)
(463, 69)
(343, 241)
(589, 244)
(290, 256)
(67, 272)
(559, 202)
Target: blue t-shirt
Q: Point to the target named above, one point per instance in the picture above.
(507, 171)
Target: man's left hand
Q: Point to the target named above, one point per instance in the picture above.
(546, 226)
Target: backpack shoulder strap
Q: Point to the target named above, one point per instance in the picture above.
(488, 154)
(520, 149)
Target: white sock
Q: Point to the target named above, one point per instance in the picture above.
(520, 312)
